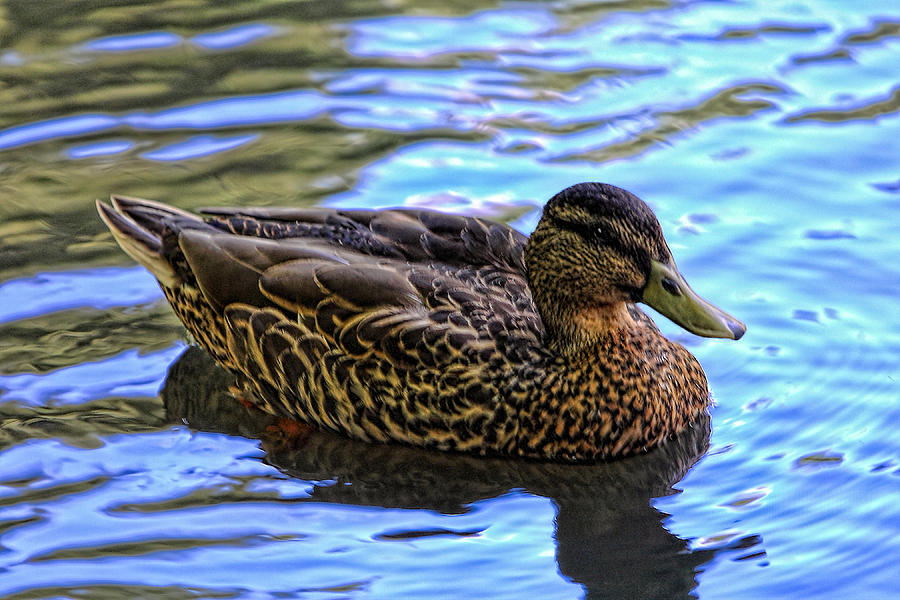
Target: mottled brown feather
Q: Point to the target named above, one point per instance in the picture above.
(420, 327)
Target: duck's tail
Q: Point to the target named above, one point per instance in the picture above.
(139, 226)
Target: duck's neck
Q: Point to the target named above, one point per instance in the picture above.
(576, 332)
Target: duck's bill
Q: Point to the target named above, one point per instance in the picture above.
(667, 292)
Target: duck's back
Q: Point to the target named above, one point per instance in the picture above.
(329, 265)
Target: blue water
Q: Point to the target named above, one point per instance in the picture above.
(765, 135)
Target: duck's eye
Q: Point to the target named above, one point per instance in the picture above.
(599, 234)
(670, 286)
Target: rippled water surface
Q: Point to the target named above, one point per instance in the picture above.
(764, 134)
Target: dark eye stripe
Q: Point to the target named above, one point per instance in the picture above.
(601, 234)
(594, 234)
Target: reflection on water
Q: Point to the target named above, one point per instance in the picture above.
(605, 527)
(763, 135)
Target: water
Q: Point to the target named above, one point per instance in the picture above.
(765, 136)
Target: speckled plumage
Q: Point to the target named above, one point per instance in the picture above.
(424, 328)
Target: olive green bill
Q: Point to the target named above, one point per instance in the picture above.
(667, 292)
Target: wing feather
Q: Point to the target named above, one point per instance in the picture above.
(328, 313)
(408, 234)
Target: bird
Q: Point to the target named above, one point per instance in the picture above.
(438, 330)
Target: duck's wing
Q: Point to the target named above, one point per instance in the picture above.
(412, 316)
(412, 287)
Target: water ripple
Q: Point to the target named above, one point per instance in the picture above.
(49, 292)
(871, 109)
(762, 133)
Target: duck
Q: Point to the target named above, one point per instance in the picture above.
(430, 329)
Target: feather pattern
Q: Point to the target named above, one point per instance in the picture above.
(410, 326)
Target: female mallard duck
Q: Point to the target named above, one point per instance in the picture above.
(441, 330)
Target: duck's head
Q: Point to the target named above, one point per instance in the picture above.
(598, 247)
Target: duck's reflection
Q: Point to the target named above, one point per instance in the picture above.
(608, 536)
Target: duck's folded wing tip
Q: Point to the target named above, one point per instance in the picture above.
(137, 241)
